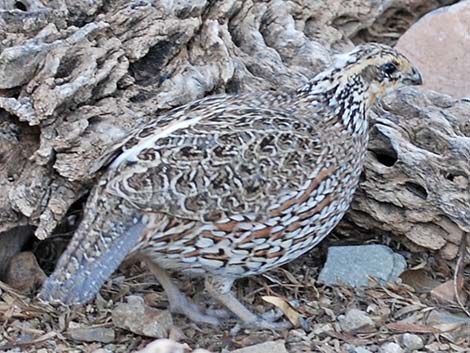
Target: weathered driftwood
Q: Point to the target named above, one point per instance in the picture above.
(416, 183)
(76, 77)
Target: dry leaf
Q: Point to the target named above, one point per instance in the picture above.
(419, 279)
(445, 293)
(410, 327)
(285, 307)
(448, 327)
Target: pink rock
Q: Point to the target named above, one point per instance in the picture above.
(439, 45)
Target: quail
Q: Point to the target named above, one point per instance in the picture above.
(230, 186)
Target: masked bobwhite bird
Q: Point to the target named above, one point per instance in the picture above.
(232, 185)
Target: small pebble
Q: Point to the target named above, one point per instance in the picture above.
(362, 350)
(355, 320)
(163, 346)
(412, 342)
(142, 319)
(445, 293)
(436, 347)
(23, 273)
(352, 349)
(92, 334)
(391, 347)
(266, 347)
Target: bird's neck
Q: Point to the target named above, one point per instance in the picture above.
(347, 98)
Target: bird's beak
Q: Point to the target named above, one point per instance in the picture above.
(413, 78)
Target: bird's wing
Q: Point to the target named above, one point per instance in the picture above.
(215, 158)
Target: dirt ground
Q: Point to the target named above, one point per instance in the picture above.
(409, 307)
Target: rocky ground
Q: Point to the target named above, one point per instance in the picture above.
(418, 315)
(417, 206)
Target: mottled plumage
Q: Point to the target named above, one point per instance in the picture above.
(233, 185)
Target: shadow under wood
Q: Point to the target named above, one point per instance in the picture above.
(11, 243)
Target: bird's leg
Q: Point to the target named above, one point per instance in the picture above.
(220, 289)
(179, 303)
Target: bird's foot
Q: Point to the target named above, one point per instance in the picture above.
(178, 302)
(222, 314)
(182, 305)
(270, 320)
(262, 323)
(272, 315)
(266, 321)
(219, 288)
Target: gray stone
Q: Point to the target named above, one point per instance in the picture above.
(352, 349)
(92, 334)
(353, 265)
(361, 350)
(142, 319)
(266, 347)
(412, 342)
(390, 347)
(355, 320)
(163, 346)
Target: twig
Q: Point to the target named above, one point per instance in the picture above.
(44, 338)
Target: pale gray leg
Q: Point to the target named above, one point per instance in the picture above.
(220, 289)
(179, 303)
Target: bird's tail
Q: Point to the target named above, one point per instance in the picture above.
(108, 232)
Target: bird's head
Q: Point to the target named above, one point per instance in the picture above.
(373, 70)
(380, 67)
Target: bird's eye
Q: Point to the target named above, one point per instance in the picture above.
(389, 68)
